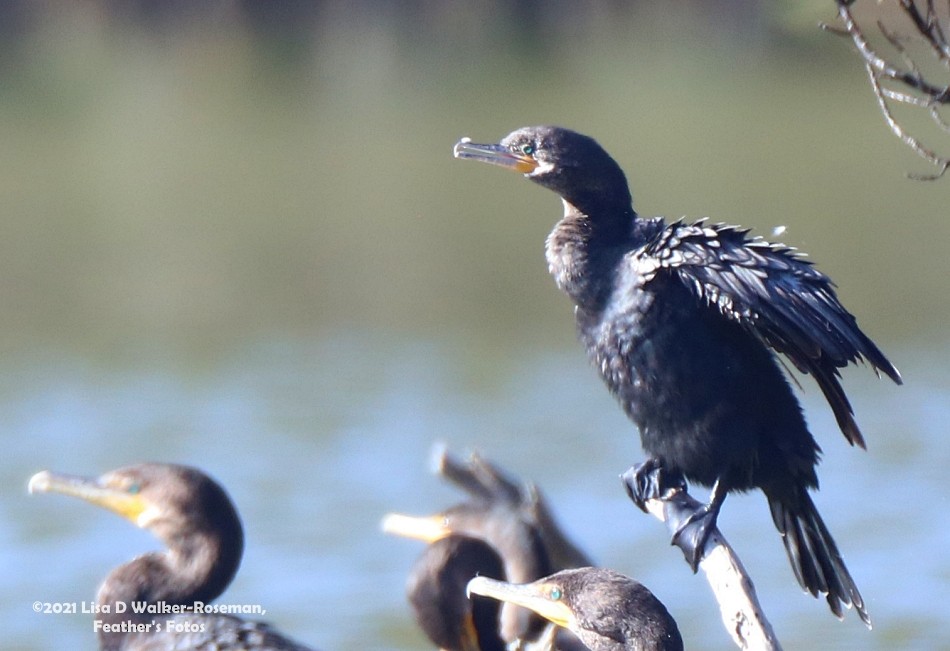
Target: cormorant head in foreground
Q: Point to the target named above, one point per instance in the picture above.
(196, 520)
(606, 610)
(569, 163)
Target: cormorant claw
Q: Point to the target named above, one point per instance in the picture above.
(651, 480)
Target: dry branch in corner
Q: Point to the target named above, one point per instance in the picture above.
(898, 77)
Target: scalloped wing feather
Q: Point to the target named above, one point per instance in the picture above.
(778, 296)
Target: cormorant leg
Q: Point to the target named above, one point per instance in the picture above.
(651, 480)
(691, 534)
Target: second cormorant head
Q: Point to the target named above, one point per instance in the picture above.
(569, 163)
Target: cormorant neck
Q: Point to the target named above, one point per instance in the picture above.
(199, 567)
(583, 245)
(485, 617)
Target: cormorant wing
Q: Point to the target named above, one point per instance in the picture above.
(778, 296)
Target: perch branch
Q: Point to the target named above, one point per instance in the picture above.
(739, 608)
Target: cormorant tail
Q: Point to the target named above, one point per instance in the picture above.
(814, 556)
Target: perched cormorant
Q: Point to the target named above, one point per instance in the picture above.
(606, 610)
(437, 592)
(201, 529)
(511, 517)
(683, 322)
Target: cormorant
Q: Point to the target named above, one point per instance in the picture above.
(436, 591)
(683, 321)
(511, 517)
(606, 610)
(195, 518)
(486, 482)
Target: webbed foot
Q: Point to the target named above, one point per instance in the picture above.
(651, 480)
(692, 533)
(690, 521)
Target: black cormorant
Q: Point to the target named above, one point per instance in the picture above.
(201, 529)
(437, 591)
(683, 322)
(606, 610)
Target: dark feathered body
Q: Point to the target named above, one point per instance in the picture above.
(709, 399)
(683, 322)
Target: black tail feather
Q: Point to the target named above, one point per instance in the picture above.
(814, 556)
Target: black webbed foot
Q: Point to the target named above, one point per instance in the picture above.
(691, 533)
(692, 527)
(690, 521)
(651, 480)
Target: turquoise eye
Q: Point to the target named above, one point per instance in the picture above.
(555, 594)
(527, 150)
(133, 489)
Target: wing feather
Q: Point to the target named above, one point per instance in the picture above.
(778, 296)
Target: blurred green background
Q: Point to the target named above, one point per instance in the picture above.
(233, 235)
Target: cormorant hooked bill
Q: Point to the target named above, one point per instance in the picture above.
(199, 525)
(683, 321)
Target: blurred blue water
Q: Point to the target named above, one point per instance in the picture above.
(316, 440)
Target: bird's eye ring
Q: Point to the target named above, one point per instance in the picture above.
(527, 150)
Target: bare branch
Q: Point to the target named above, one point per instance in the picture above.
(935, 114)
(918, 92)
(910, 141)
(739, 608)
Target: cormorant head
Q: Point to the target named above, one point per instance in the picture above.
(166, 499)
(604, 609)
(569, 163)
(502, 527)
(518, 541)
(182, 506)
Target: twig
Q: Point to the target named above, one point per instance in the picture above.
(909, 140)
(924, 94)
